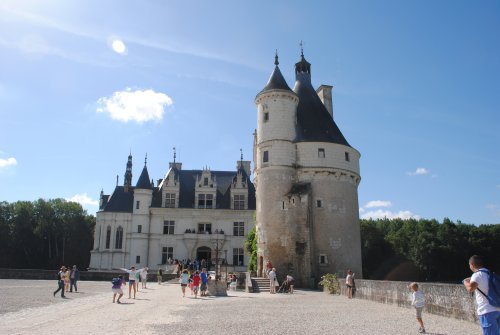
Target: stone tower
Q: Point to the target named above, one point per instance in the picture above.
(306, 177)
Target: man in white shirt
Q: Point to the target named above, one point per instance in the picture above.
(489, 316)
(272, 280)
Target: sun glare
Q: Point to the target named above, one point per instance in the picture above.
(119, 47)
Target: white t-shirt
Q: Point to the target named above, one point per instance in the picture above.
(483, 305)
(348, 280)
(272, 275)
(418, 299)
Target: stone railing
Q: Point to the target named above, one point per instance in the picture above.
(450, 300)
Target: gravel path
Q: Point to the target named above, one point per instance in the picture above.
(27, 307)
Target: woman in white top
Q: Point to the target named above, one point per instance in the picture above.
(131, 279)
(144, 277)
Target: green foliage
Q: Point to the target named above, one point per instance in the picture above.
(439, 251)
(251, 248)
(45, 234)
(331, 283)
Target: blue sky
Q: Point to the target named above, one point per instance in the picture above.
(416, 91)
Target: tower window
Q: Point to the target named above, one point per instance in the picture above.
(319, 203)
(265, 156)
(323, 259)
(266, 116)
(137, 204)
(139, 228)
(346, 156)
(321, 153)
(137, 259)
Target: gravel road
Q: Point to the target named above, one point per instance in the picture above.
(28, 307)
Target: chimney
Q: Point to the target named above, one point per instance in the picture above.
(325, 95)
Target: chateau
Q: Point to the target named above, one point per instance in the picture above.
(306, 180)
(305, 197)
(189, 214)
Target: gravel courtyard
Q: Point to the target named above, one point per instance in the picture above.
(28, 307)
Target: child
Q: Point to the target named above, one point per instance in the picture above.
(184, 280)
(117, 288)
(418, 301)
(196, 283)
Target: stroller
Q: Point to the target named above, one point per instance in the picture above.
(285, 287)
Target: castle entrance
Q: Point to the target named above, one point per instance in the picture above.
(204, 253)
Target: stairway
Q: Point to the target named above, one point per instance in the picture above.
(260, 285)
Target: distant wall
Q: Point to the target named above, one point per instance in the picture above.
(450, 300)
(38, 274)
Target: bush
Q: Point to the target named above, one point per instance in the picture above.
(331, 283)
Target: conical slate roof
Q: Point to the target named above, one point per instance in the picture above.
(276, 81)
(144, 182)
(314, 123)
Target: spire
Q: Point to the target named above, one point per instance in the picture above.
(127, 181)
(175, 155)
(302, 66)
(146, 159)
(241, 152)
(144, 181)
(276, 81)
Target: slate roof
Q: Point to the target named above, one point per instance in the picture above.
(314, 123)
(144, 182)
(121, 201)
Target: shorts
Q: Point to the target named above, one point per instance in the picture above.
(203, 287)
(117, 290)
(419, 312)
(131, 282)
(490, 323)
(195, 288)
(184, 285)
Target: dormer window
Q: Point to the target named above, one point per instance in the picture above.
(170, 200)
(205, 200)
(239, 201)
(205, 181)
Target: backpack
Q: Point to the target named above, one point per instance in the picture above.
(493, 288)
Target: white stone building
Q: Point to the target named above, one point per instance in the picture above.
(306, 178)
(185, 216)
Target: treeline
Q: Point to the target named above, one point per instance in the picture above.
(426, 250)
(45, 234)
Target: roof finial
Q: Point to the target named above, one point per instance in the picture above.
(301, 48)
(146, 159)
(175, 154)
(241, 152)
(116, 180)
(276, 58)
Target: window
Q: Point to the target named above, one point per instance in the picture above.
(108, 237)
(266, 116)
(170, 200)
(238, 256)
(321, 153)
(238, 228)
(323, 259)
(139, 228)
(137, 204)
(265, 157)
(137, 259)
(205, 228)
(239, 202)
(119, 238)
(346, 156)
(319, 203)
(205, 181)
(166, 253)
(168, 227)
(205, 200)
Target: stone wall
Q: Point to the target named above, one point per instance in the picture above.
(450, 300)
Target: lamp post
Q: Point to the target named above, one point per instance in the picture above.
(217, 242)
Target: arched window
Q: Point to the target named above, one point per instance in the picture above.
(119, 238)
(108, 237)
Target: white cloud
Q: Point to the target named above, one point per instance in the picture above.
(83, 199)
(139, 106)
(378, 203)
(380, 214)
(494, 208)
(419, 172)
(7, 162)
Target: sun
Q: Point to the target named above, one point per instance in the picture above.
(118, 46)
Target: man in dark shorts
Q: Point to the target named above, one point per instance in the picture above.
(204, 282)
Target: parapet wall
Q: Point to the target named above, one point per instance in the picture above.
(450, 300)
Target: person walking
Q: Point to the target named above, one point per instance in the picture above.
(144, 277)
(60, 282)
(184, 280)
(204, 282)
(418, 301)
(117, 288)
(159, 276)
(478, 283)
(74, 277)
(67, 275)
(196, 283)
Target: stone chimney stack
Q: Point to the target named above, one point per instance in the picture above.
(325, 95)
